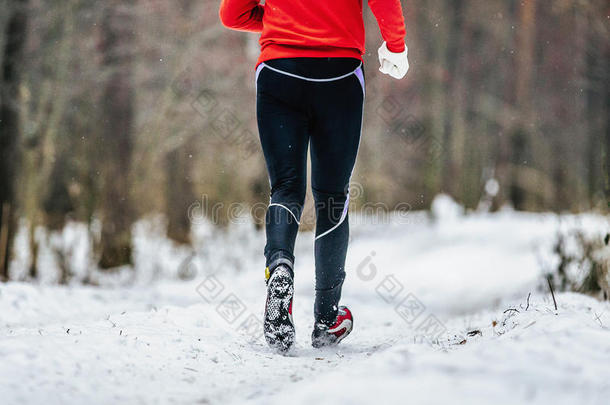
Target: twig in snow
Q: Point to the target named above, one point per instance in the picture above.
(548, 279)
(528, 301)
(113, 324)
(511, 309)
(599, 320)
(474, 333)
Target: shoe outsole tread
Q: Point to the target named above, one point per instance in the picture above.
(278, 325)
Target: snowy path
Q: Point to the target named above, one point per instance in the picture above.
(166, 344)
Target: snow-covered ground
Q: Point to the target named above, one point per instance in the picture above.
(446, 311)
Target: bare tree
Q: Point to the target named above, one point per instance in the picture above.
(116, 132)
(179, 193)
(15, 32)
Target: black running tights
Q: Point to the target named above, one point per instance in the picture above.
(318, 102)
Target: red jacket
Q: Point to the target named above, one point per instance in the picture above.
(313, 28)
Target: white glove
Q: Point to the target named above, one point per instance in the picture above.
(393, 64)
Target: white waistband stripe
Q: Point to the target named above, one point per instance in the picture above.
(309, 79)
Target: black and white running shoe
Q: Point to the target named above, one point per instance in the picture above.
(278, 324)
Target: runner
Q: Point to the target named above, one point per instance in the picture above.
(310, 93)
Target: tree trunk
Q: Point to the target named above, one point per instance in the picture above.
(116, 131)
(605, 133)
(180, 194)
(515, 140)
(16, 30)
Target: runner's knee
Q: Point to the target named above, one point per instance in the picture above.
(330, 206)
(289, 190)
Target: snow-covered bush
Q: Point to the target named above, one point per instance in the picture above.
(581, 263)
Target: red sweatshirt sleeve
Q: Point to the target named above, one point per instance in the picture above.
(243, 15)
(391, 22)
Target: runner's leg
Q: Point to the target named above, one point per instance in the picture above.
(282, 124)
(335, 137)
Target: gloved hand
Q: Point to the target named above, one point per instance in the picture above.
(393, 64)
